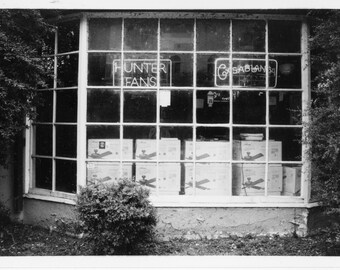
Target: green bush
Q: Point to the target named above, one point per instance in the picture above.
(119, 218)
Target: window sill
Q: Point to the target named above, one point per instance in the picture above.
(45, 195)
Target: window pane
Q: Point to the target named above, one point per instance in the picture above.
(100, 69)
(107, 172)
(43, 140)
(211, 65)
(249, 180)
(181, 66)
(249, 144)
(140, 106)
(45, 108)
(289, 71)
(105, 34)
(66, 106)
(140, 70)
(284, 36)
(172, 143)
(67, 70)
(291, 142)
(140, 34)
(66, 176)
(248, 35)
(249, 107)
(43, 173)
(176, 106)
(285, 108)
(68, 36)
(212, 35)
(212, 106)
(66, 141)
(103, 105)
(211, 179)
(177, 35)
(291, 180)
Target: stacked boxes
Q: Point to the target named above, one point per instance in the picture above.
(291, 181)
(208, 150)
(107, 172)
(169, 177)
(109, 149)
(211, 179)
(169, 149)
(256, 150)
(248, 180)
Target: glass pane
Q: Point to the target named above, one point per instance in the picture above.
(289, 71)
(66, 176)
(181, 66)
(143, 138)
(103, 105)
(249, 35)
(291, 142)
(45, 108)
(140, 70)
(100, 70)
(212, 179)
(43, 140)
(249, 107)
(140, 106)
(176, 106)
(249, 144)
(212, 106)
(66, 106)
(249, 180)
(285, 108)
(212, 70)
(107, 172)
(140, 34)
(172, 143)
(68, 36)
(67, 70)
(103, 142)
(212, 35)
(291, 180)
(66, 141)
(43, 173)
(284, 36)
(105, 34)
(177, 35)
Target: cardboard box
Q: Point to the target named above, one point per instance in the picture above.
(109, 149)
(208, 150)
(106, 172)
(256, 150)
(169, 177)
(146, 149)
(211, 179)
(170, 149)
(248, 180)
(291, 181)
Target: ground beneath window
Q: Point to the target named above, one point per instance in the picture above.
(26, 240)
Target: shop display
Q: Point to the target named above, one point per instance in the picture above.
(256, 150)
(248, 180)
(109, 149)
(107, 173)
(208, 150)
(211, 179)
(169, 175)
(291, 181)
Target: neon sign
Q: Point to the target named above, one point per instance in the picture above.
(245, 72)
(142, 72)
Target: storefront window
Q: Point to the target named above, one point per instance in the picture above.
(196, 108)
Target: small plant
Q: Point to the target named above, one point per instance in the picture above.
(119, 217)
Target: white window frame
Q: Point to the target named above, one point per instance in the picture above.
(183, 201)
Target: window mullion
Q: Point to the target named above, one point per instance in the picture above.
(231, 137)
(267, 113)
(54, 111)
(121, 119)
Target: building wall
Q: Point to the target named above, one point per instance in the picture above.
(6, 186)
(191, 223)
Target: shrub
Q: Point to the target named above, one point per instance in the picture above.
(119, 218)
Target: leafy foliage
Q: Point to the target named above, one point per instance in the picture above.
(22, 70)
(119, 217)
(324, 128)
